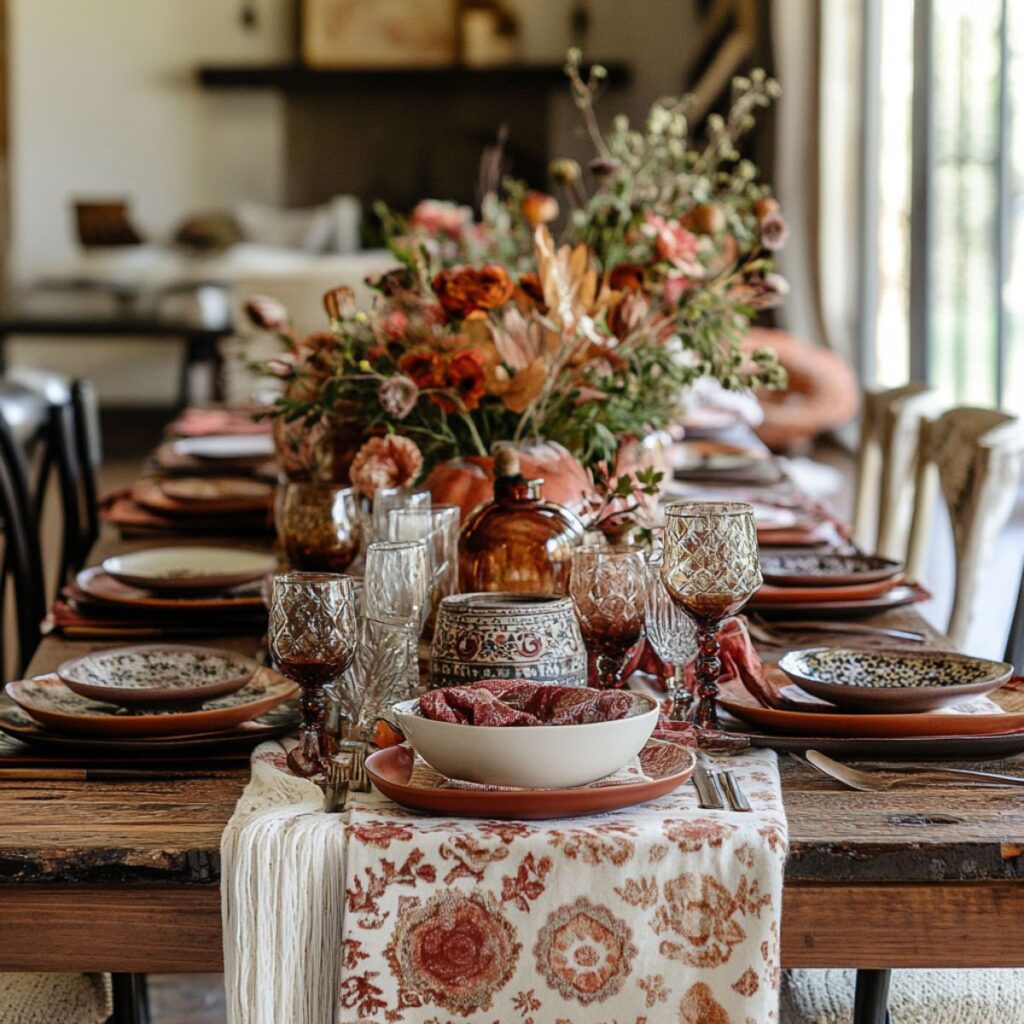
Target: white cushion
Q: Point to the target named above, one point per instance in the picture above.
(311, 229)
(42, 998)
(991, 996)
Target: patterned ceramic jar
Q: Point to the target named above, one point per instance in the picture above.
(507, 636)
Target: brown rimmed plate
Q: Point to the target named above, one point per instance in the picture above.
(895, 597)
(219, 492)
(776, 595)
(901, 682)
(102, 587)
(47, 700)
(832, 722)
(157, 497)
(279, 721)
(825, 568)
(151, 674)
(668, 764)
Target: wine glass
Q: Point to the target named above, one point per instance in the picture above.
(318, 525)
(671, 633)
(711, 568)
(607, 586)
(312, 641)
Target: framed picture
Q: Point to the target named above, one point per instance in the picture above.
(378, 33)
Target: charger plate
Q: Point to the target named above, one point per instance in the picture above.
(101, 586)
(812, 723)
(17, 724)
(896, 597)
(47, 700)
(825, 569)
(668, 766)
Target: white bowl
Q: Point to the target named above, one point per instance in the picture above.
(530, 756)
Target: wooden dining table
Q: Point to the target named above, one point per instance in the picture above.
(124, 876)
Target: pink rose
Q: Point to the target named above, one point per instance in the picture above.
(674, 244)
(440, 217)
(675, 287)
(267, 313)
(390, 461)
(395, 325)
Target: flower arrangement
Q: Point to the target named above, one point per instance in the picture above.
(493, 332)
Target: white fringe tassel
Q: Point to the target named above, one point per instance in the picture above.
(282, 856)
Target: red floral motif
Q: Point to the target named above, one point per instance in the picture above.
(363, 899)
(699, 1006)
(526, 1002)
(352, 953)
(527, 883)
(506, 831)
(639, 892)
(584, 952)
(608, 842)
(359, 993)
(654, 989)
(692, 835)
(456, 950)
(746, 984)
(702, 913)
(380, 833)
(774, 836)
(471, 857)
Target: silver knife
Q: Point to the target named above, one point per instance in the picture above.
(737, 797)
(708, 798)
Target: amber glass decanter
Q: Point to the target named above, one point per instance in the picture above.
(517, 542)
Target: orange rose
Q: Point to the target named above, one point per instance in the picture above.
(391, 461)
(539, 208)
(461, 290)
(424, 366)
(467, 377)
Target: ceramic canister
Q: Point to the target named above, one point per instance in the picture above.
(507, 636)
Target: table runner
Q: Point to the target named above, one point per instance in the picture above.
(661, 912)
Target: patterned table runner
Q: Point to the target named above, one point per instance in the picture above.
(657, 913)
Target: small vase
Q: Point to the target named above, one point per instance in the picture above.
(518, 542)
(318, 525)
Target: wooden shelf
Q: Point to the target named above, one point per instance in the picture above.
(301, 78)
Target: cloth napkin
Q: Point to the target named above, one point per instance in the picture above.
(652, 913)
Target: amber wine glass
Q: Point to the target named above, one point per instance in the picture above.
(312, 641)
(710, 567)
(607, 587)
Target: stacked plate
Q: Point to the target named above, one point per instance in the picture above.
(217, 455)
(831, 585)
(156, 698)
(885, 703)
(169, 591)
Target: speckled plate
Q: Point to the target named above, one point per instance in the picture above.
(152, 674)
(102, 587)
(891, 681)
(191, 569)
(825, 569)
(54, 706)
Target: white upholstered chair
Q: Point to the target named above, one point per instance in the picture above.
(889, 426)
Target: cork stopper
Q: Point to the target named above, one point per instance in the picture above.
(506, 462)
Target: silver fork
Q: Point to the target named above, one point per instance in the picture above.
(336, 787)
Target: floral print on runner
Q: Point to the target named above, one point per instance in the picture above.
(658, 913)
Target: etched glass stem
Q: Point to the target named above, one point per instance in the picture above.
(709, 671)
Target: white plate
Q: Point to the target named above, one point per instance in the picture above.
(535, 756)
(226, 446)
(771, 517)
(190, 569)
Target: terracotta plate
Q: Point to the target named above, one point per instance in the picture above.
(54, 706)
(182, 569)
(101, 586)
(825, 569)
(155, 496)
(894, 597)
(218, 491)
(890, 681)
(277, 722)
(668, 764)
(830, 722)
(151, 674)
(769, 594)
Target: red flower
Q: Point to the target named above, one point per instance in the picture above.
(467, 378)
(424, 366)
(627, 277)
(461, 290)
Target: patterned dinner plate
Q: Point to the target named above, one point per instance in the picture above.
(277, 722)
(666, 766)
(825, 568)
(55, 707)
(151, 674)
(892, 681)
